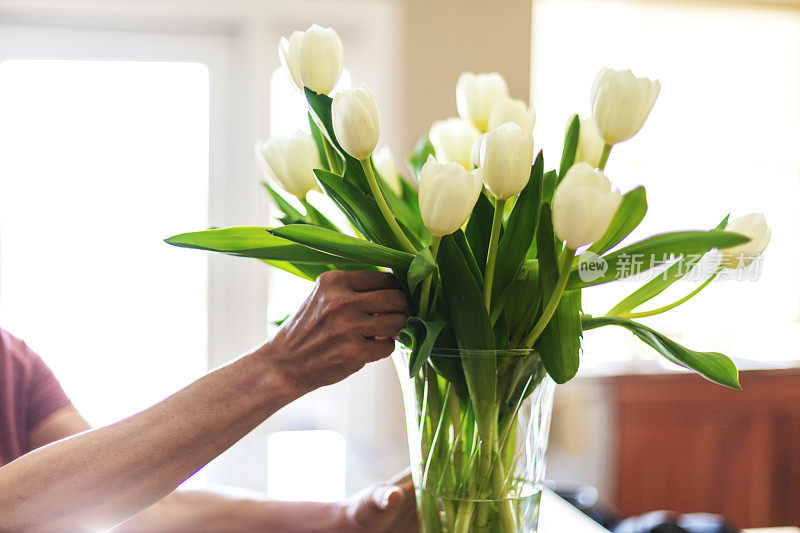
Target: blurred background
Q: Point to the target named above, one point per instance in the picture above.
(125, 121)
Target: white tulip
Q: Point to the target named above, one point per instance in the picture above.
(505, 156)
(447, 194)
(754, 226)
(590, 144)
(312, 58)
(477, 94)
(355, 121)
(452, 139)
(583, 206)
(510, 110)
(387, 168)
(475, 154)
(621, 103)
(290, 162)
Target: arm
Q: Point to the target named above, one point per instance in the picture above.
(100, 478)
(383, 507)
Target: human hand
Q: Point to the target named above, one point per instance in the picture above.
(385, 507)
(350, 319)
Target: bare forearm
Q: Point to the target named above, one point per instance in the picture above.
(100, 478)
(216, 512)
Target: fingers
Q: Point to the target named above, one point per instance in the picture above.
(385, 326)
(385, 301)
(378, 348)
(369, 280)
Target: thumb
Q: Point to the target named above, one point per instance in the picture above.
(375, 506)
(387, 497)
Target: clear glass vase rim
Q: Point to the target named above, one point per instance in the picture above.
(493, 352)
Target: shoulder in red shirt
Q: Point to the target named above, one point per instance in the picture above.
(29, 393)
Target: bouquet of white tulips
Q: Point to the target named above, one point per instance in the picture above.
(492, 247)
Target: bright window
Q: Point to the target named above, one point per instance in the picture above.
(101, 161)
(724, 135)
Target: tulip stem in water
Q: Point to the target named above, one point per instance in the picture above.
(366, 164)
(566, 265)
(604, 156)
(491, 256)
(673, 305)
(425, 294)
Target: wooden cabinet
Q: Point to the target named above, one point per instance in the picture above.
(686, 445)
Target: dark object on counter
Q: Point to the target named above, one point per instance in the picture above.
(668, 522)
(586, 499)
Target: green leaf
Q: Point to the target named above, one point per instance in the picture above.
(420, 337)
(560, 343)
(420, 268)
(548, 255)
(521, 298)
(280, 321)
(305, 271)
(256, 243)
(360, 209)
(461, 241)
(291, 214)
(570, 147)
(656, 250)
(409, 195)
(462, 293)
(320, 115)
(713, 366)
(318, 219)
(629, 215)
(520, 230)
(549, 186)
(409, 217)
(657, 285)
(319, 140)
(421, 152)
(321, 106)
(479, 228)
(342, 245)
(660, 283)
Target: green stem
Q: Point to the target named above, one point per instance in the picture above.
(491, 256)
(675, 304)
(604, 156)
(516, 338)
(366, 164)
(552, 304)
(304, 201)
(330, 155)
(425, 294)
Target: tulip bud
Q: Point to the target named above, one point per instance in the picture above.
(621, 103)
(590, 144)
(452, 139)
(384, 162)
(355, 121)
(510, 110)
(290, 162)
(447, 194)
(312, 58)
(583, 206)
(505, 155)
(754, 226)
(475, 154)
(476, 96)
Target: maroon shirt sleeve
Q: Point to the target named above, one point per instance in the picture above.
(29, 393)
(45, 395)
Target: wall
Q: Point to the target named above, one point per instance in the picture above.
(447, 37)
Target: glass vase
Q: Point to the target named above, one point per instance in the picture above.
(478, 423)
